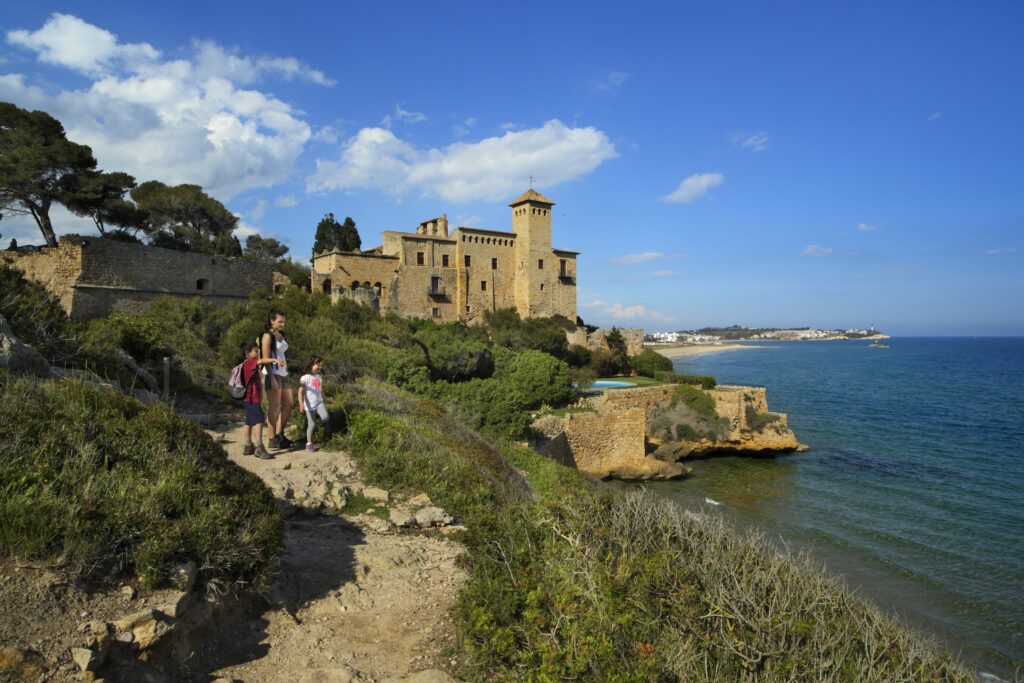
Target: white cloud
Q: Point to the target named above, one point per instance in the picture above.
(286, 201)
(935, 116)
(630, 259)
(462, 129)
(402, 116)
(509, 126)
(244, 230)
(864, 227)
(259, 210)
(616, 311)
(611, 80)
(816, 250)
(470, 221)
(654, 275)
(187, 120)
(489, 169)
(68, 41)
(756, 142)
(694, 187)
(993, 252)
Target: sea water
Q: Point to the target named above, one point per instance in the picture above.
(913, 486)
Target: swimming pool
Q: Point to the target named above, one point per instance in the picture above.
(609, 384)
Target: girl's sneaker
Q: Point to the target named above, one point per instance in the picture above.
(310, 447)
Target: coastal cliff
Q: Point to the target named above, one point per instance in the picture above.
(642, 433)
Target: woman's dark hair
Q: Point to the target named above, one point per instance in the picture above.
(248, 346)
(271, 314)
(313, 360)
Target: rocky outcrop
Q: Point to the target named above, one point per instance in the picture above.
(606, 445)
(18, 357)
(617, 438)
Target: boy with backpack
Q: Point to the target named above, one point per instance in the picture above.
(253, 397)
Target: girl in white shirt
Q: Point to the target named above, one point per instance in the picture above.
(311, 398)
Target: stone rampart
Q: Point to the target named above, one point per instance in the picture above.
(606, 444)
(93, 276)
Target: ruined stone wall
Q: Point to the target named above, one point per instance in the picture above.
(633, 336)
(56, 268)
(126, 276)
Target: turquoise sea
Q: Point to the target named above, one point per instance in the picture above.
(914, 483)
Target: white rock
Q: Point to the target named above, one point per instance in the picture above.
(86, 659)
(432, 517)
(400, 518)
(374, 493)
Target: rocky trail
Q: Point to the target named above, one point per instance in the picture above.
(355, 598)
(362, 593)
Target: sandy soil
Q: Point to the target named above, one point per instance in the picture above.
(354, 599)
(685, 350)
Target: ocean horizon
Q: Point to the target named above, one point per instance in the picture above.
(911, 488)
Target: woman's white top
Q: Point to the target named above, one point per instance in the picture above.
(282, 346)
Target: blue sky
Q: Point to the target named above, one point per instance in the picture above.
(761, 163)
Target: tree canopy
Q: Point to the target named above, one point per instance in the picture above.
(38, 165)
(185, 217)
(333, 235)
(100, 196)
(258, 246)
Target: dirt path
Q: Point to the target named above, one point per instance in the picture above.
(354, 598)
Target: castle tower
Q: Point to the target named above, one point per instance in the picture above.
(534, 263)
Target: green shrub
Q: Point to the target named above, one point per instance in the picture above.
(650, 363)
(95, 481)
(696, 400)
(686, 432)
(757, 421)
(703, 381)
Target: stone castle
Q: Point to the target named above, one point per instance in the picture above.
(459, 275)
(431, 273)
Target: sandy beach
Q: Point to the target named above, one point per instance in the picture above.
(684, 350)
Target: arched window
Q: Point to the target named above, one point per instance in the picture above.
(355, 285)
(366, 284)
(327, 286)
(377, 288)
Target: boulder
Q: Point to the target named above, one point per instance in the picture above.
(86, 659)
(20, 358)
(147, 627)
(400, 518)
(374, 493)
(432, 516)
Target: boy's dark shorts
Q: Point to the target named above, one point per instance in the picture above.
(253, 414)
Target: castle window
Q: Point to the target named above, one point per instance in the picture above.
(542, 286)
(355, 285)
(494, 264)
(419, 258)
(444, 260)
(436, 312)
(467, 309)
(483, 285)
(377, 288)
(203, 285)
(467, 260)
(327, 286)
(540, 263)
(561, 266)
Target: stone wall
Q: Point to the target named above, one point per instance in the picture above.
(605, 444)
(633, 336)
(93, 276)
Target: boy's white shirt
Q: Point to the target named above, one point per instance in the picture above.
(311, 389)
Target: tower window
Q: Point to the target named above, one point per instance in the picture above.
(494, 264)
(483, 285)
(436, 312)
(540, 263)
(419, 258)
(444, 260)
(542, 286)
(467, 260)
